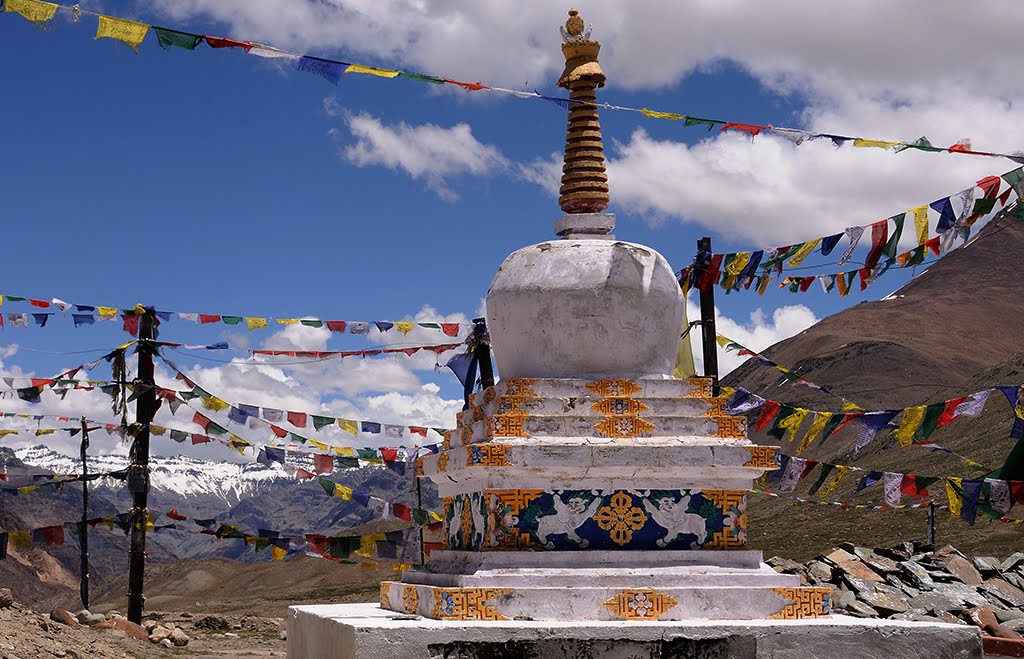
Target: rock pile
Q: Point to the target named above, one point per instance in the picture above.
(911, 581)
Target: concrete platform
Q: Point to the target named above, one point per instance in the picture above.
(344, 631)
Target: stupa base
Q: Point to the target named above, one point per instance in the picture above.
(346, 631)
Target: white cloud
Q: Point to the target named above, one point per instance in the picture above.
(426, 152)
(757, 333)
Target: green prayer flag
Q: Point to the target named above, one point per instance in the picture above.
(917, 256)
(830, 427)
(921, 143)
(167, 38)
(179, 435)
(775, 431)
(826, 469)
(215, 429)
(205, 523)
(420, 77)
(328, 485)
(983, 206)
(296, 438)
(347, 463)
(694, 121)
(322, 421)
(930, 422)
(368, 454)
(231, 320)
(15, 298)
(891, 247)
(312, 323)
(420, 516)
(430, 325)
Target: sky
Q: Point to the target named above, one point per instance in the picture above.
(218, 182)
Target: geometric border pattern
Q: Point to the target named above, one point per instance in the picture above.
(640, 604)
(804, 603)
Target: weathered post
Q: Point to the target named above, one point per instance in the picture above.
(138, 470)
(709, 336)
(83, 529)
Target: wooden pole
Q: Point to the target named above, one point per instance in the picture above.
(83, 587)
(483, 347)
(709, 335)
(138, 470)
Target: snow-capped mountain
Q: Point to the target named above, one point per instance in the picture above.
(222, 483)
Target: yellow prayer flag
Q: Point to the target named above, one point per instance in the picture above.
(278, 553)
(20, 540)
(45, 431)
(921, 223)
(320, 445)
(28, 488)
(128, 32)
(840, 474)
(256, 323)
(763, 286)
(401, 567)
(821, 419)
(803, 252)
(106, 313)
(851, 407)
(367, 566)
(877, 144)
(723, 341)
(684, 367)
(1, 300)
(737, 264)
(213, 403)
(288, 321)
(343, 492)
(909, 423)
(792, 423)
(366, 545)
(405, 328)
(654, 114)
(437, 517)
(33, 10)
(4, 433)
(727, 392)
(728, 281)
(157, 430)
(371, 70)
(953, 488)
(350, 426)
(345, 451)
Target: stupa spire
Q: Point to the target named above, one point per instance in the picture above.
(584, 181)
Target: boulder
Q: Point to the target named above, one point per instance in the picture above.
(6, 598)
(94, 619)
(860, 571)
(961, 593)
(839, 556)
(83, 616)
(1003, 591)
(861, 610)
(179, 638)
(897, 553)
(985, 620)
(885, 599)
(819, 571)
(936, 603)
(125, 627)
(159, 633)
(916, 576)
(781, 565)
(64, 617)
(963, 570)
(896, 582)
(167, 643)
(987, 565)
(946, 616)
(879, 564)
(1004, 615)
(1016, 625)
(150, 625)
(1012, 562)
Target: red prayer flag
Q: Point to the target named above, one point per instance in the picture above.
(1017, 490)
(709, 276)
(908, 486)
(419, 430)
(297, 419)
(279, 431)
(336, 325)
(745, 128)
(471, 86)
(303, 475)
(41, 382)
(176, 516)
(323, 464)
(389, 454)
(131, 323)
(805, 283)
(811, 464)
(208, 318)
(451, 329)
(224, 42)
(990, 186)
(52, 535)
(933, 245)
(42, 304)
(768, 412)
(864, 274)
(201, 421)
(949, 414)
(402, 511)
(879, 236)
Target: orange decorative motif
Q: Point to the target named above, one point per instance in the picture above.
(621, 518)
(410, 599)
(804, 603)
(624, 426)
(466, 603)
(734, 427)
(506, 425)
(733, 504)
(702, 388)
(762, 457)
(619, 406)
(487, 455)
(521, 387)
(610, 388)
(442, 461)
(641, 604)
(385, 594)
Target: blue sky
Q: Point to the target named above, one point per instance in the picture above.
(219, 182)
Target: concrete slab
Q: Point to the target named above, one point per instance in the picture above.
(344, 631)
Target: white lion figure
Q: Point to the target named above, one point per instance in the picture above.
(476, 505)
(567, 518)
(673, 517)
(455, 523)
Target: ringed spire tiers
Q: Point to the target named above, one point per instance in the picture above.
(584, 181)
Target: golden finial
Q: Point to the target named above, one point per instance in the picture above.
(574, 25)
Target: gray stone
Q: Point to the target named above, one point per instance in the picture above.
(785, 565)
(962, 593)
(879, 564)
(1017, 624)
(1012, 562)
(857, 585)
(819, 571)
(916, 575)
(915, 614)
(1005, 615)
(150, 625)
(179, 638)
(861, 609)
(842, 598)
(987, 565)
(936, 602)
(839, 556)
(1004, 591)
(860, 571)
(896, 582)
(159, 633)
(897, 553)
(885, 599)
(946, 550)
(94, 619)
(64, 617)
(6, 598)
(962, 569)
(949, 618)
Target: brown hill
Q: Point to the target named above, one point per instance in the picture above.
(951, 331)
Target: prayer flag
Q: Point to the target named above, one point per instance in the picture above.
(870, 479)
(891, 483)
(33, 10)
(320, 422)
(255, 323)
(167, 38)
(841, 471)
(349, 426)
(405, 327)
(854, 234)
(371, 70)
(921, 223)
(329, 70)
(263, 50)
(224, 42)
(128, 32)
(297, 419)
(654, 114)
(879, 236)
(909, 422)
(953, 489)
(803, 252)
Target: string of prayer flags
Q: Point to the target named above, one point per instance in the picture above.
(332, 70)
(328, 354)
(125, 31)
(952, 220)
(384, 508)
(788, 375)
